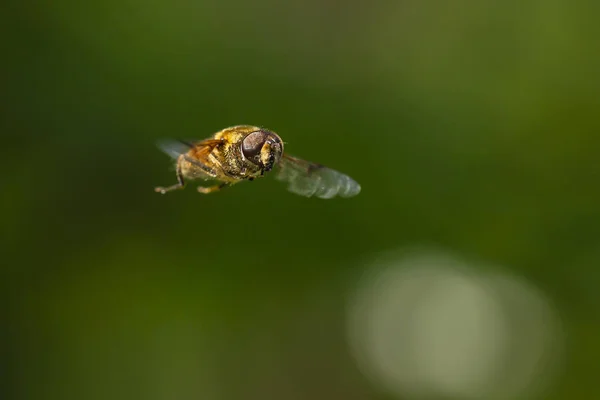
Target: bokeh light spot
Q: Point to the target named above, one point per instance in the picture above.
(423, 324)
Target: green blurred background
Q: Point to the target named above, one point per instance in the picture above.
(471, 126)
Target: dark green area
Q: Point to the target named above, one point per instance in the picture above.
(471, 126)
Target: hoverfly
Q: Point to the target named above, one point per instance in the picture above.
(247, 152)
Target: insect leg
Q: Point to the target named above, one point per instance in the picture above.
(179, 185)
(216, 188)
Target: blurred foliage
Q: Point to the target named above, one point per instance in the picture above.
(471, 125)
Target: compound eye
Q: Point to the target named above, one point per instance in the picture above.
(252, 144)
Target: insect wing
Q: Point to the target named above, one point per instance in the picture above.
(173, 148)
(201, 150)
(194, 152)
(310, 179)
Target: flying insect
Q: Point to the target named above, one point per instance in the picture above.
(246, 152)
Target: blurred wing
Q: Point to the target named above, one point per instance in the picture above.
(173, 148)
(194, 152)
(309, 179)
